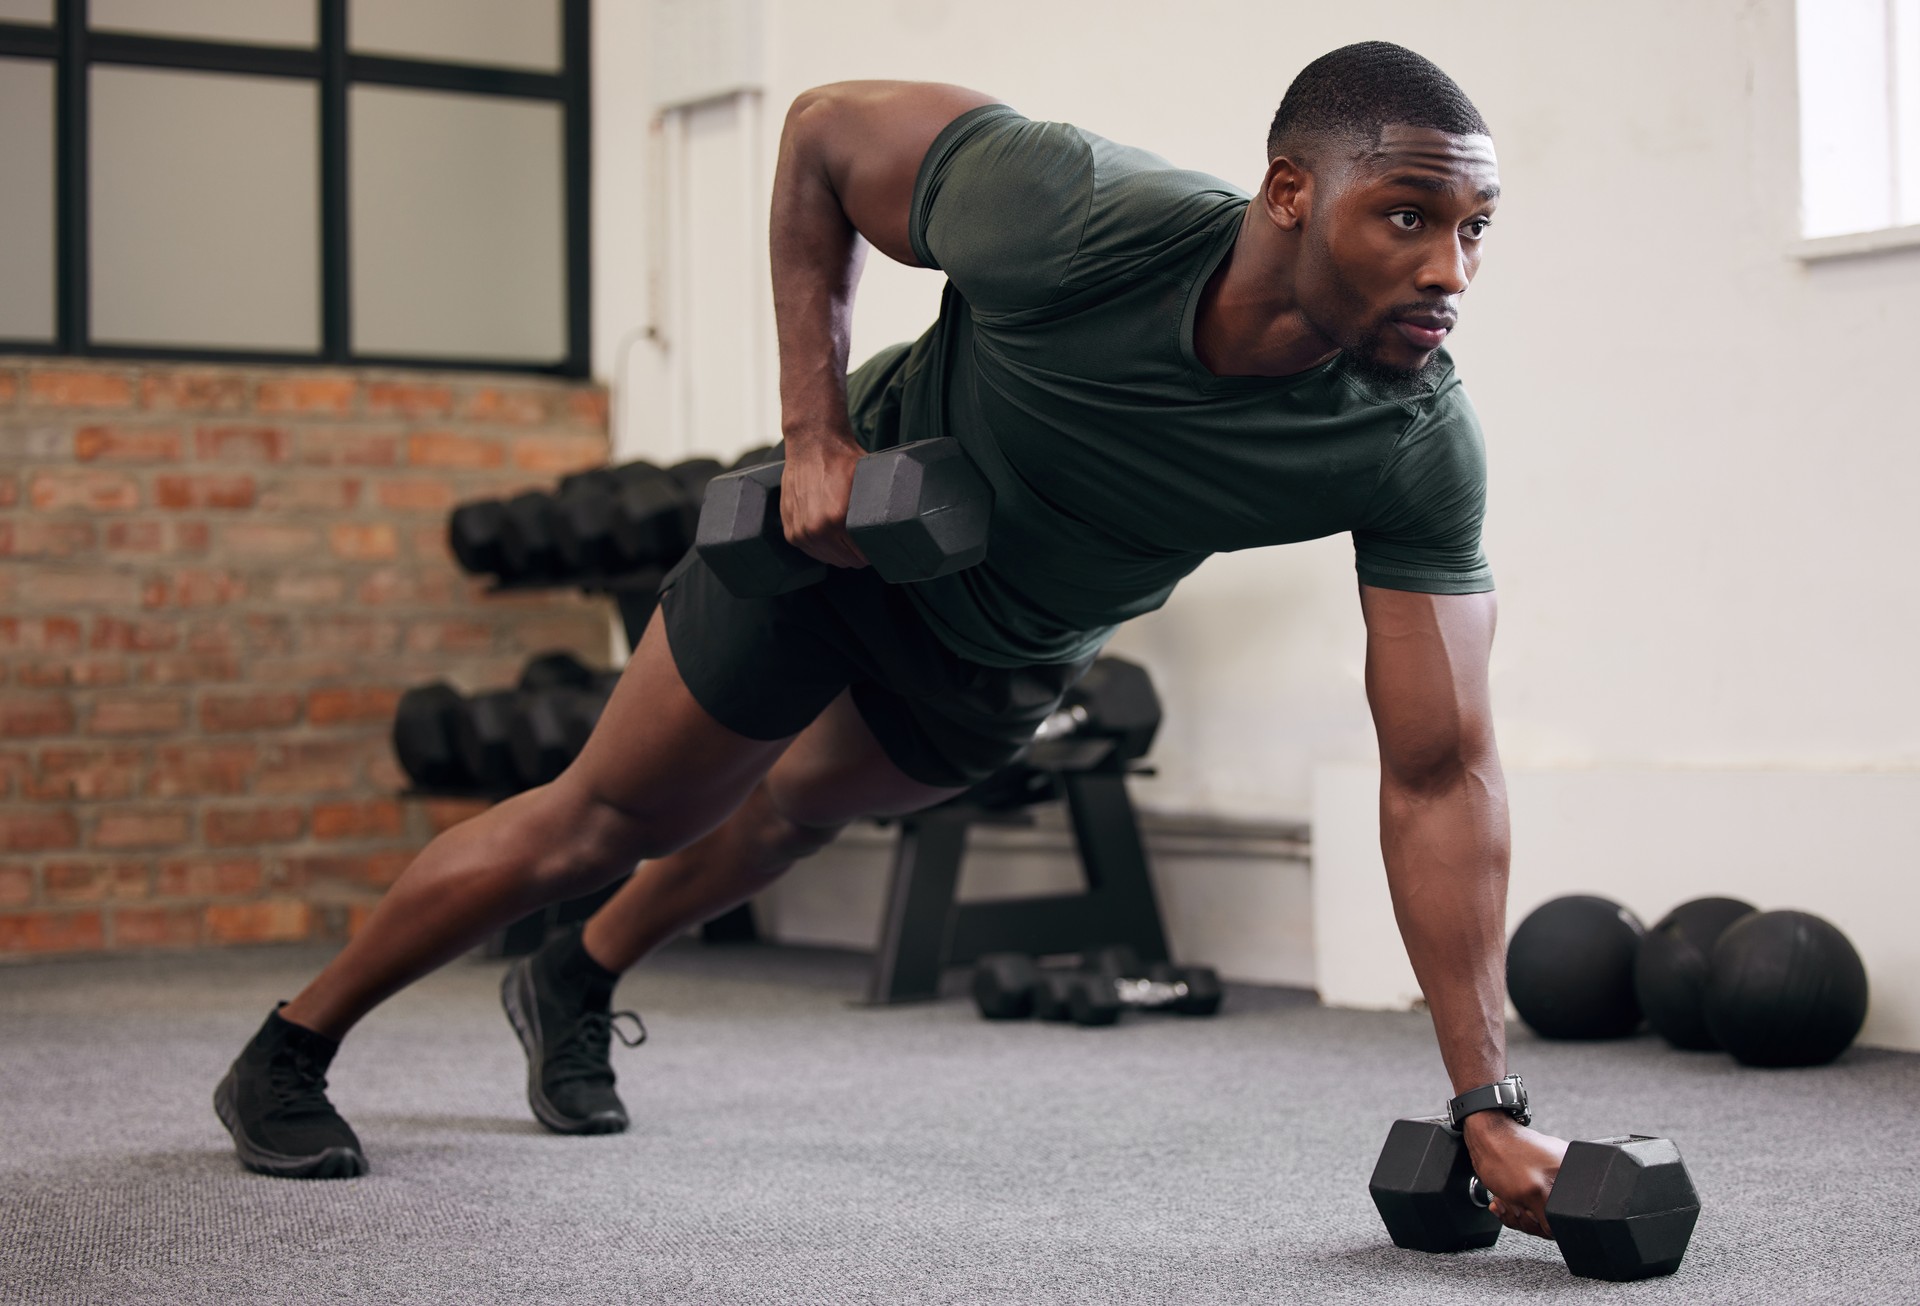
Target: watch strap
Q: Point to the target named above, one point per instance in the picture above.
(1508, 1095)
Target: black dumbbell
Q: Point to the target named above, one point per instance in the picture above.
(917, 511)
(623, 518)
(1010, 986)
(693, 475)
(1621, 1208)
(1111, 715)
(550, 728)
(423, 724)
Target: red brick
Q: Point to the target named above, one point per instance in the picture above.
(306, 394)
(302, 670)
(23, 716)
(361, 541)
(445, 813)
(142, 827)
(497, 404)
(310, 587)
(269, 539)
(450, 637)
(33, 538)
(375, 869)
(255, 711)
(159, 537)
(94, 881)
(196, 770)
(156, 927)
(51, 931)
(328, 707)
(204, 491)
(83, 488)
(429, 543)
(242, 444)
(585, 633)
(445, 449)
(81, 774)
(16, 886)
(142, 636)
(408, 400)
(40, 635)
(396, 585)
(137, 714)
(377, 818)
(127, 444)
(190, 669)
(314, 767)
(384, 773)
(74, 589)
(311, 494)
(26, 830)
(415, 495)
(274, 921)
(92, 673)
(259, 632)
(588, 407)
(555, 455)
(349, 634)
(224, 827)
(209, 877)
(193, 588)
(193, 392)
(9, 491)
(349, 448)
(16, 764)
(9, 388)
(77, 389)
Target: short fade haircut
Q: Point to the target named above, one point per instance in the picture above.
(1357, 90)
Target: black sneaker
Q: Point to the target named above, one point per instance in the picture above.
(558, 1000)
(274, 1103)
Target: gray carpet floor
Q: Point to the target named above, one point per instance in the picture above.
(791, 1147)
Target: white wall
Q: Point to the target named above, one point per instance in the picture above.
(1701, 449)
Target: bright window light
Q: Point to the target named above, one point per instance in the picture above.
(1859, 115)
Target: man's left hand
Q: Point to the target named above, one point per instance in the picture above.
(1517, 1166)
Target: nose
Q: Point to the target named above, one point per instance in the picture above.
(1448, 269)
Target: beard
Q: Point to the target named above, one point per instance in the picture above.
(1364, 349)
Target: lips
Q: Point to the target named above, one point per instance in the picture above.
(1424, 333)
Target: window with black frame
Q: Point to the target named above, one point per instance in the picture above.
(392, 182)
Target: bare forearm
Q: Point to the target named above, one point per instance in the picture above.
(1446, 849)
(816, 255)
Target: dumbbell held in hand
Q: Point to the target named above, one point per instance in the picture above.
(917, 511)
(1621, 1208)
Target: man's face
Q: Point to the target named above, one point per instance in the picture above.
(1392, 242)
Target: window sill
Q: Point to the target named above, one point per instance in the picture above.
(1853, 244)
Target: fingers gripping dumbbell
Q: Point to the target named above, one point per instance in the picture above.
(918, 511)
(1621, 1208)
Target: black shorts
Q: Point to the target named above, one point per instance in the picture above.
(765, 668)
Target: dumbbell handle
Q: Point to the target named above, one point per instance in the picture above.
(1149, 993)
(1477, 1192)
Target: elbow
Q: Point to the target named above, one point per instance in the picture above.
(1441, 768)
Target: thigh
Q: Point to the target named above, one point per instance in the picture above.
(835, 771)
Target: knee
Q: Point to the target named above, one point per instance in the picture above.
(790, 827)
(583, 842)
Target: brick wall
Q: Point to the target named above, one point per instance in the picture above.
(214, 584)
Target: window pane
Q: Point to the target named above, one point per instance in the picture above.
(205, 210)
(457, 236)
(26, 201)
(518, 33)
(26, 11)
(257, 22)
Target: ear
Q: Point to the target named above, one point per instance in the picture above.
(1287, 193)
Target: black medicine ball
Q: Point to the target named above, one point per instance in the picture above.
(1670, 978)
(1570, 968)
(1787, 989)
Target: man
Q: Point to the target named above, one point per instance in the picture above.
(1148, 368)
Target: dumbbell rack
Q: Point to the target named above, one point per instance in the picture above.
(925, 930)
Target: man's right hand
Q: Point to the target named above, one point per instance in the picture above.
(815, 489)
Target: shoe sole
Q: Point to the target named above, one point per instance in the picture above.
(523, 1013)
(333, 1163)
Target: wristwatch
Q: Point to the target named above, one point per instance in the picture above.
(1509, 1095)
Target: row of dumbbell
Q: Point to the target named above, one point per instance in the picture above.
(1013, 986)
(606, 522)
(506, 740)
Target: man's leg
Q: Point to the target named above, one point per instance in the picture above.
(833, 773)
(658, 774)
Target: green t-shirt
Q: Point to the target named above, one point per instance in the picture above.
(1063, 362)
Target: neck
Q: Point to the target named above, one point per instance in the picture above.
(1247, 323)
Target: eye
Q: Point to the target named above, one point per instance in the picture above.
(1478, 228)
(1412, 222)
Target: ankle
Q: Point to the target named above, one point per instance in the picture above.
(568, 965)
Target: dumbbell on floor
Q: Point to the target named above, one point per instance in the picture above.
(1621, 1208)
(1010, 986)
(917, 511)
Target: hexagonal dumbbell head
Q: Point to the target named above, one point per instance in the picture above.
(740, 536)
(1003, 986)
(919, 510)
(1420, 1187)
(1623, 1208)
